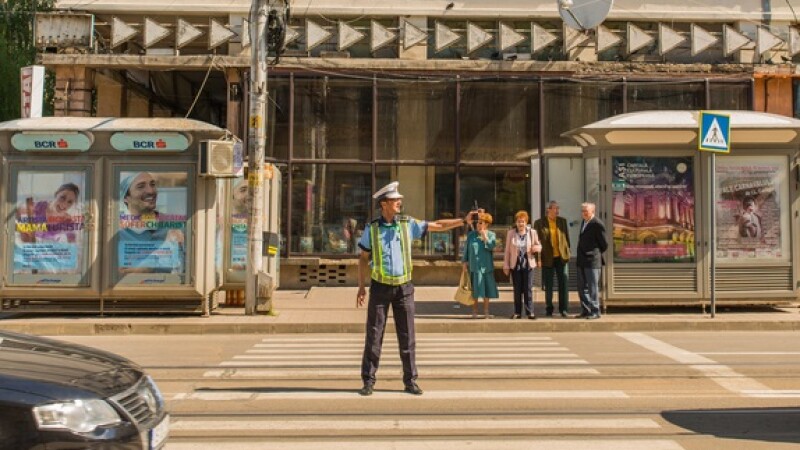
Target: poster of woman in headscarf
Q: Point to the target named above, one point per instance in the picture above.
(750, 199)
(49, 232)
(240, 215)
(152, 222)
(653, 209)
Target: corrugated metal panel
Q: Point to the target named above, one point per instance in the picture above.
(753, 279)
(654, 279)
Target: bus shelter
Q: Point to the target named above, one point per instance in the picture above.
(107, 214)
(653, 192)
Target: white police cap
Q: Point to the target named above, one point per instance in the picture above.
(389, 191)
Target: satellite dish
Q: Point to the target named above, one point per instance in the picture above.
(584, 14)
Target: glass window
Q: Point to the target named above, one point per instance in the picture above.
(733, 96)
(429, 194)
(153, 230)
(752, 208)
(649, 96)
(416, 121)
(500, 191)
(653, 209)
(277, 119)
(499, 120)
(570, 105)
(330, 207)
(333, 118)
(50, 239)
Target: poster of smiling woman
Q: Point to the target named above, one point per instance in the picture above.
(49, 232)
(152, 222)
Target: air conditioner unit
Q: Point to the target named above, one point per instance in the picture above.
(220, 159)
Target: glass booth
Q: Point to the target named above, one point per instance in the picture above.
(653, 192)
(107, 214)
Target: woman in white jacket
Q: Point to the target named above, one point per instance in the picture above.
(519, 261)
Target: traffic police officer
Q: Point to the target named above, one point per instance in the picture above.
(386, 249)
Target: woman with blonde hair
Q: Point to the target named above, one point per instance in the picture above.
(479, 262)
(522, 244)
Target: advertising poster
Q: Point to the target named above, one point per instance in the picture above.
(49, 232)
(152, 222)
(653, 209)
(751, 207)
(240, 215)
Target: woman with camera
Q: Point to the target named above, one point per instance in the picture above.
(479, 262)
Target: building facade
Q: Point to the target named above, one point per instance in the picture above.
(462, 102)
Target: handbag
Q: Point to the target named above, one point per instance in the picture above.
(464, 292)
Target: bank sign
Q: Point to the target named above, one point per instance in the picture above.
(51, 142)
(149, 142)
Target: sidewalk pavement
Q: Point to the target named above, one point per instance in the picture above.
(332, 310)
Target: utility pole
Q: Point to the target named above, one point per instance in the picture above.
(256, 150)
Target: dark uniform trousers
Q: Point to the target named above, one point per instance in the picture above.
(401, 298)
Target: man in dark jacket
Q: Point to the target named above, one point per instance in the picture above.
(554, 258)
(591, 245)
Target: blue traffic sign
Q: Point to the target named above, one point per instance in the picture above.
(715, 132)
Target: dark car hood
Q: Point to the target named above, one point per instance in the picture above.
(55, 369)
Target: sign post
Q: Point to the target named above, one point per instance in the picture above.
(713, 136)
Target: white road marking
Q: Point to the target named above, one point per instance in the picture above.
(772, 393)
(420, 356)
(440, 444)
(720, 374)
(750, 353)
(413, 424)
(427, 350)
(360, 339)
(380, 394)
(389, 363)
(428, 372)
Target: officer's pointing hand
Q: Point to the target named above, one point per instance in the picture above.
(362, 294)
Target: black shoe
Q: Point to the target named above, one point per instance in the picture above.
(532, 317)
(550, 314)
(564, 314)
(592, 316)
(413, 389)
(366, 391)
(515, 316)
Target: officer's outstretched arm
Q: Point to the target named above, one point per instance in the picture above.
(445, 224)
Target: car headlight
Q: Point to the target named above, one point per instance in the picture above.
(80, 416)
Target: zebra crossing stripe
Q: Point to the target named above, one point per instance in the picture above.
(593, 443)
(415, 424)
(423, 363)
(228, 395)
(431, 372)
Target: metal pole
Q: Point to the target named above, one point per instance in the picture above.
(257, 138)
(713, 221)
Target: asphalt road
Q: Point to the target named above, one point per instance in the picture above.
(653, 391)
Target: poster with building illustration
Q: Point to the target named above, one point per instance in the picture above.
(653, 209)
(751, 208)
(49, 231)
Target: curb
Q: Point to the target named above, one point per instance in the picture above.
(461, 326)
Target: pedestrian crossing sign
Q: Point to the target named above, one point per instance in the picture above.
(715, 132)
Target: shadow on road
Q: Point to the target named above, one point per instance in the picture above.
(759, 424)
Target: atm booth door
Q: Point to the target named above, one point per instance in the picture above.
(51, 229)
